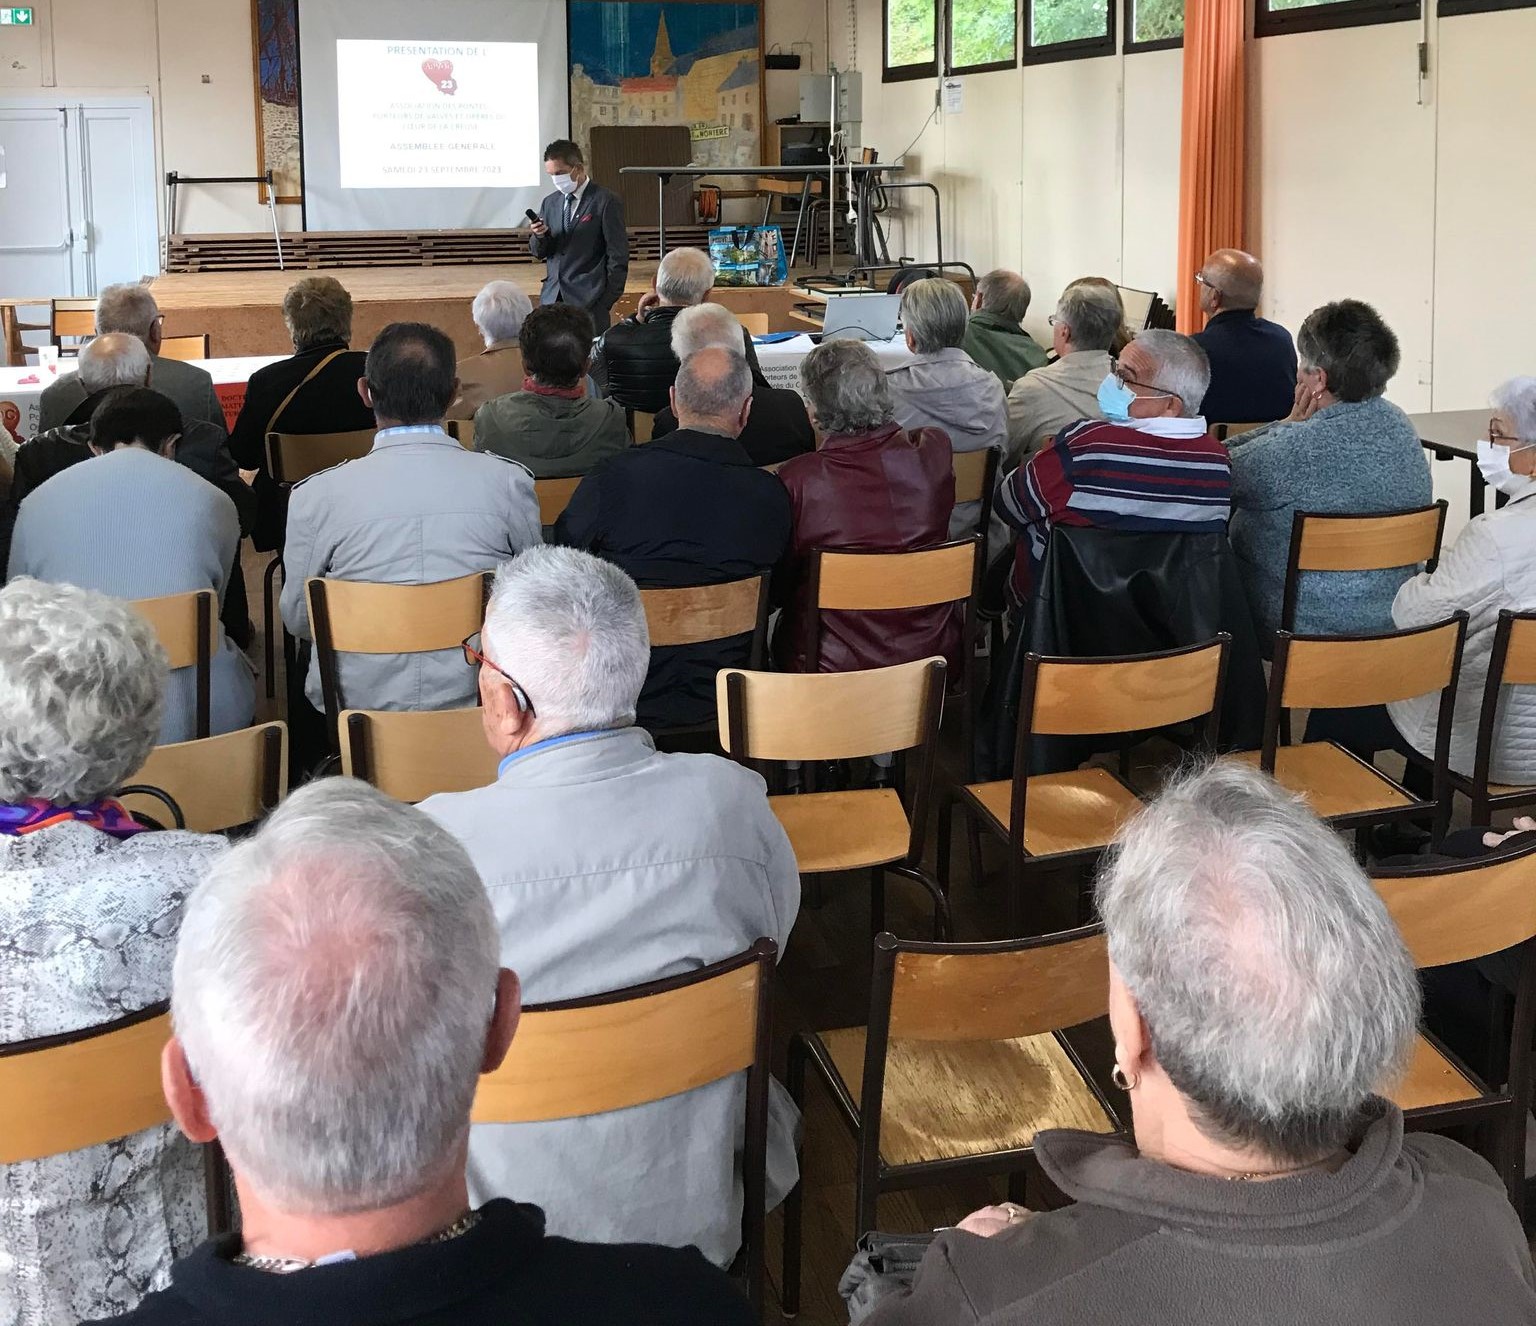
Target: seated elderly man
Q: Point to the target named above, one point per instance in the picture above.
(415, 510)
(941, 386)
(132, 309)
(336, 997)
(550, 424)
(1087, 320)
(89, 905)
(1253, 363)
(778, 426)
(1151, 465)
(994, 337)
(687, 509)
(609, 864)
(871, 486)
(1259, 998)
(498, 311)
(313, 391)
(634, 364)
(132, 523)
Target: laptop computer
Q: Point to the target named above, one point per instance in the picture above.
(861, 317)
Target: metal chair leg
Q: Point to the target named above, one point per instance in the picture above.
(269, 626)
(789, 1295)
(876, 901)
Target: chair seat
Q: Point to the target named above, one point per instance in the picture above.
(1332, 780)
(1432, 1079)
(969, 1098)
(844, 830)
(1076, 811)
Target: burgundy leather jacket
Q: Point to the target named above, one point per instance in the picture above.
(888, 491)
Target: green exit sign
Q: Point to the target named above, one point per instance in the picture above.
(21, 18)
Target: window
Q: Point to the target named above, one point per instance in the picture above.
(983, 34)
(1154, 25)
(1067, 29)
(1272, 17)
(911, 39)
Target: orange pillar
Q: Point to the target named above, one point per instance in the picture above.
(1212, 185)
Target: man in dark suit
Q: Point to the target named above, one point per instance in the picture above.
(1253, 362)
(580, 235)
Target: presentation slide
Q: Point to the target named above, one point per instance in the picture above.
(420, 117)
(429, 115)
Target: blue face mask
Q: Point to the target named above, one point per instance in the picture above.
(1115, 399)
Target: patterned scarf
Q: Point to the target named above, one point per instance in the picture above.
(33, 814)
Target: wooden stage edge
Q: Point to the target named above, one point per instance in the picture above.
(242, 311)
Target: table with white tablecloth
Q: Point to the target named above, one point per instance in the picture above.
(21, 389)
(780, 360)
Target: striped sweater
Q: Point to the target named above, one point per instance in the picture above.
(1151, 475)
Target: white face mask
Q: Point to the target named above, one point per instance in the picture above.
(1493, 461)
(565, 183)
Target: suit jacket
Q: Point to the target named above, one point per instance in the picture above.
(587, 262)
(416, 509)
(883, 491)
(327, 403)
(188, 385)
(687, 509)
(1253, 369)
(495, 371)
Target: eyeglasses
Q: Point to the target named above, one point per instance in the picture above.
(1202, 279)
(1495, 434)
(470, 644)
(1125, 380)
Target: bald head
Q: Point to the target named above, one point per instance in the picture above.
(1232, 279)
(115, 359)
(713, 392)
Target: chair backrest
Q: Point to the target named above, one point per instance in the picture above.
(65, 1093)
(829, 715)
(554, 496)
(975, 474)
(1511, 663)
(74, 318)
(1461, 912)
(356, 617)
(462, 431)
(870, 581)
(295, 456)
(1373, 541)
(184, 347)
(184, 624)
(755, 323)
(218, 783)
(642, 426)
(411, 756)
(693, 614)
(1224, 431)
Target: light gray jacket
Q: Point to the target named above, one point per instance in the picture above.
(1045, 401)
(416, 509)
(188, 385)
(609, 864)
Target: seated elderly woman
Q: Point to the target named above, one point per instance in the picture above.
(498, 311)
(1259, 995)
(943, 387)
(1344, 448)
(1490, 567)
(89, 908)
(313, 392)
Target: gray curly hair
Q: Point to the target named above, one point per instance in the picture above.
(82, 681)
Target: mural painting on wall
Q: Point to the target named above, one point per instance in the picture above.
(275, 31)
(693, 62)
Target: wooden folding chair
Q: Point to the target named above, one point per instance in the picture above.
(358, 617)
(82, 1088)
(412, 756)
(184, 347)
(292, 457)
(554, 496)
(184, 624)
(1053, 819)
(74, 319)
(1375, 541)
(976, 481)
(462, 431)
(1512, 663)
(774, 716)
(216, 784)
(1459, 913)
(630, 1047)
(699, 614)
(1351, 672)
(961, 1065)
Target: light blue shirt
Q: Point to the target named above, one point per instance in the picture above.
(507, 761)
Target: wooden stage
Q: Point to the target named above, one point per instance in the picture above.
(242, 311)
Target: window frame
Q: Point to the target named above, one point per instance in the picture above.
(1084, 48)
(905, 73)
(1331, 16)
(1134, 47)
(1453, 8)
(991, 66)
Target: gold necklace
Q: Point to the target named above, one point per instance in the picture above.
(288, 1265)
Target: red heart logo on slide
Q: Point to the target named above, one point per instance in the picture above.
(441, 74)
